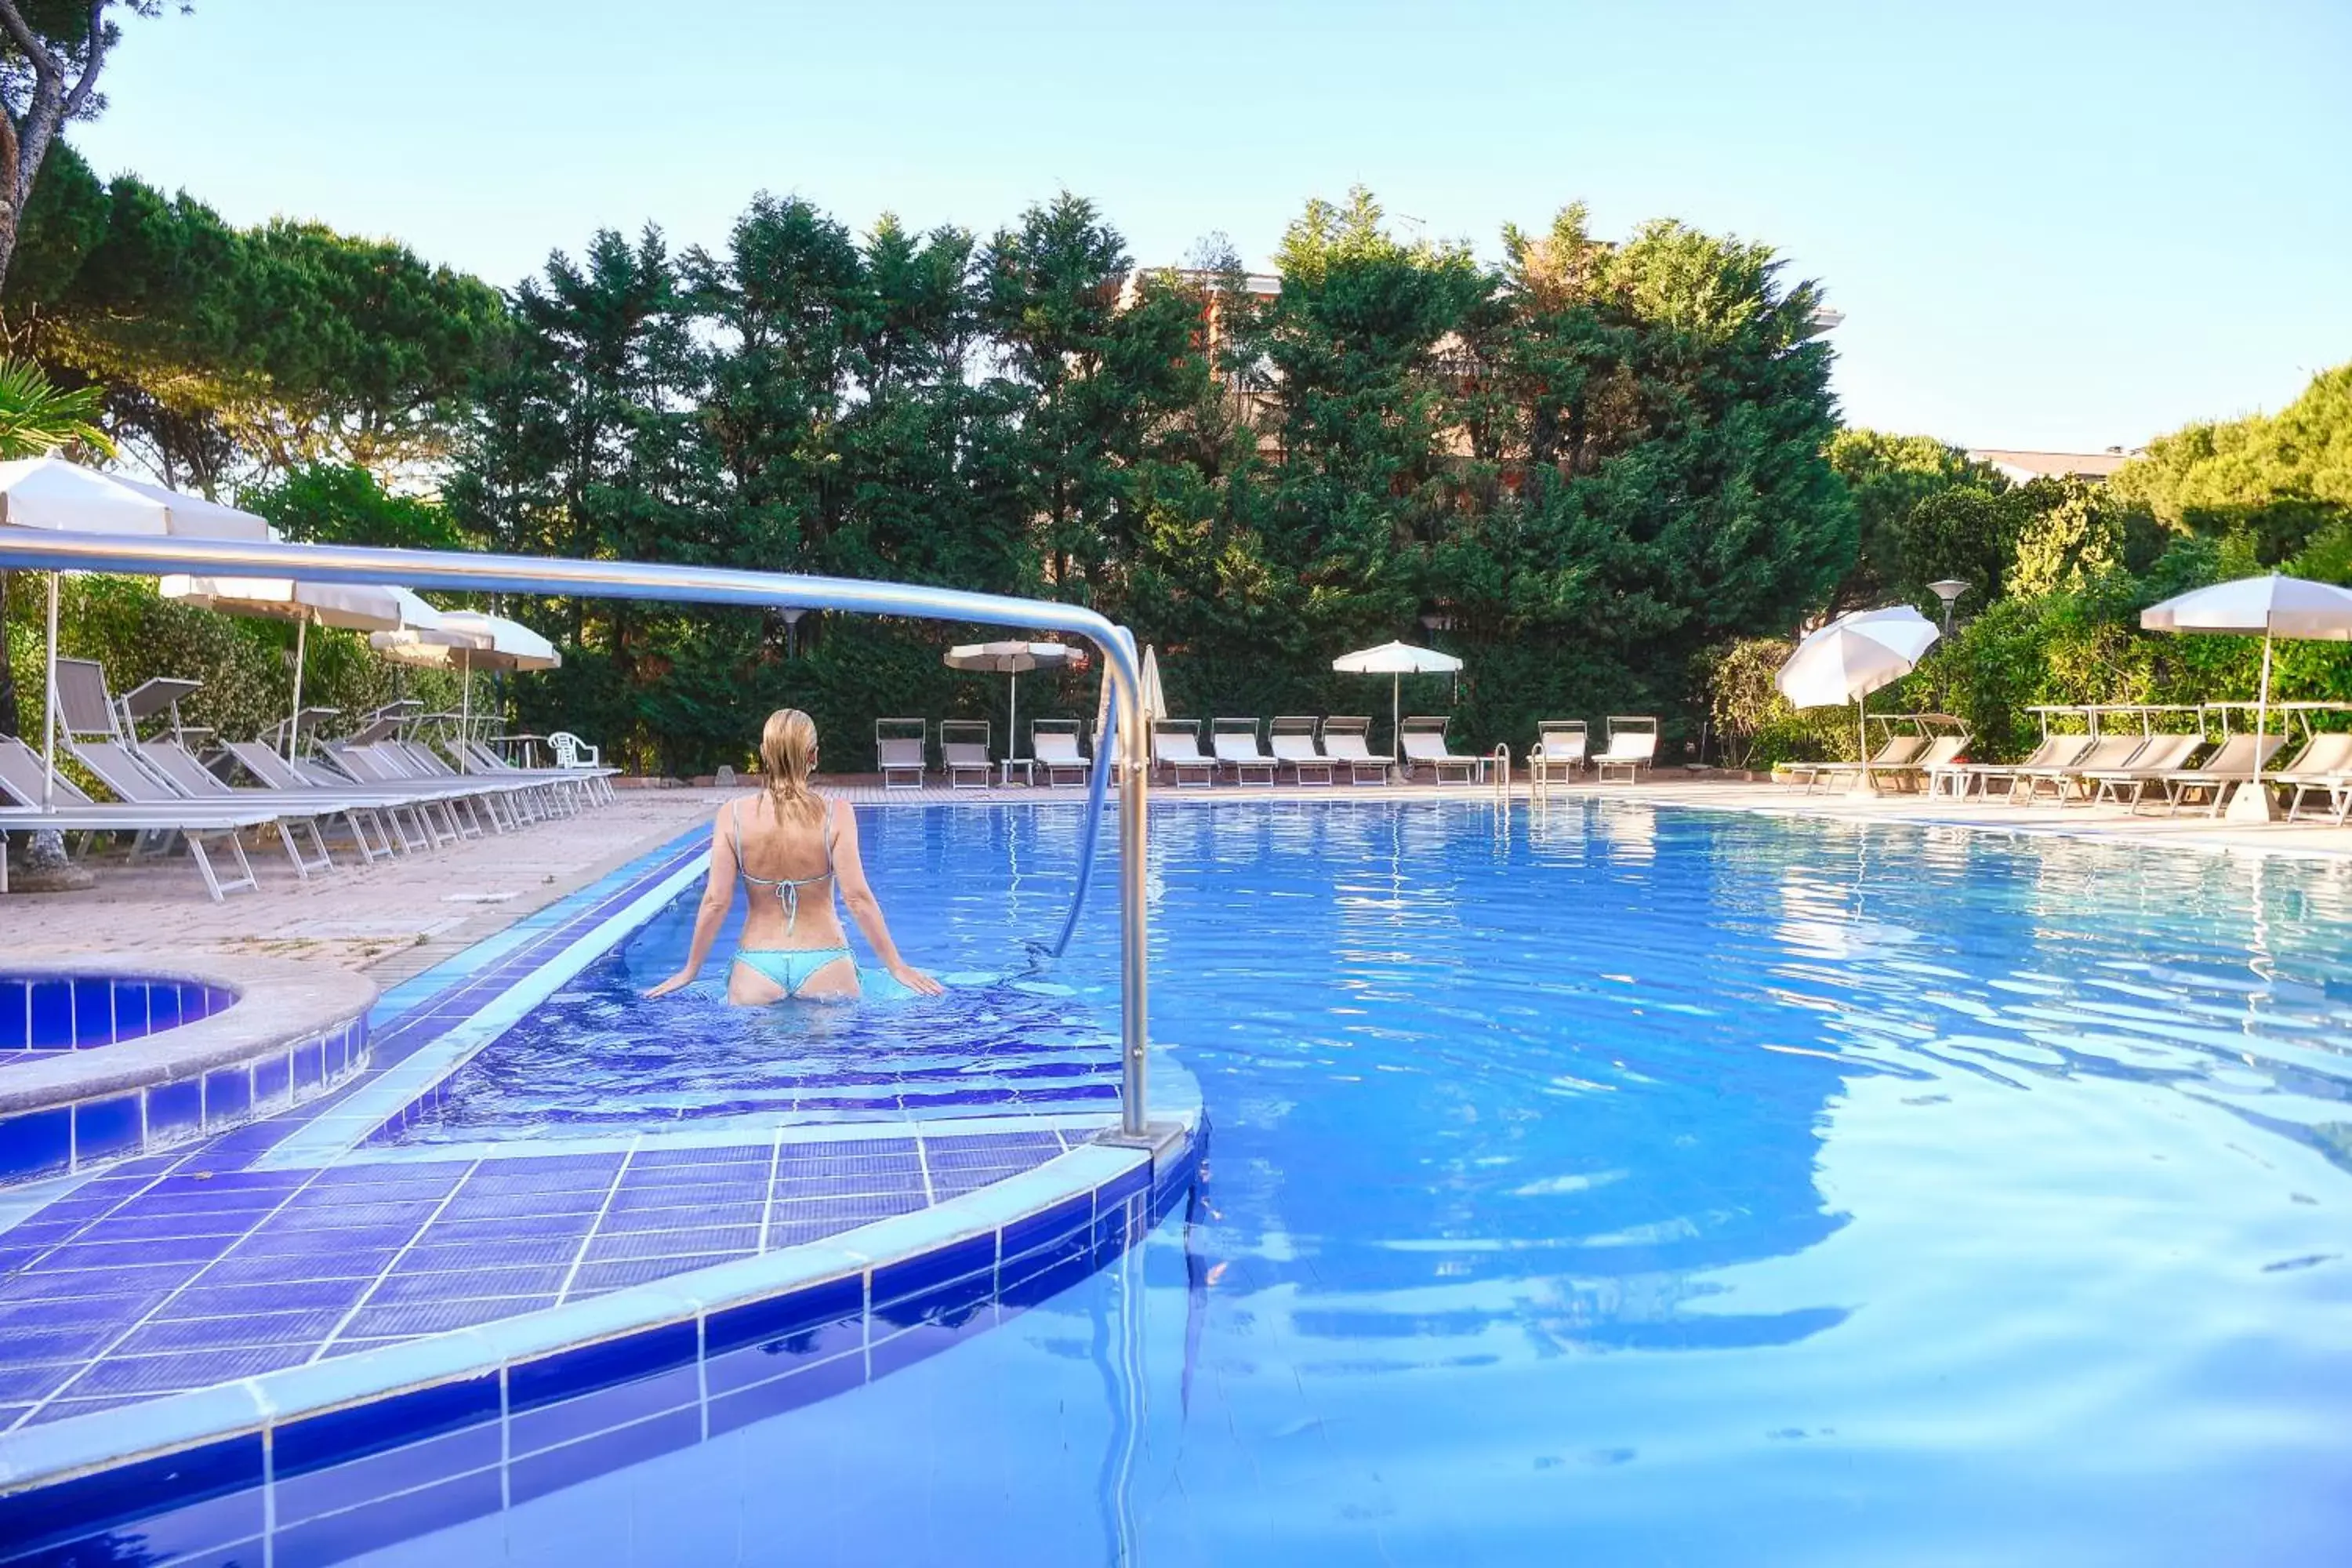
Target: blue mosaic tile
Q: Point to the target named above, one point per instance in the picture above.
(595, 1279)
(224, 1333)
(440, 1317)
(252, 1187)
(351, 1216)
(276, 1240)
(913, 1276)
(322, 1194)
(1048, 1226)
(35, 1381)
(445, 1173)
(181, 1502)
(537, 1475)
(105, 1128)
(37, 1143)
(205, 1299)
(427, 1258)
(773, 1397)
(326, 1464)
(154, 1279)
(643, 1373)
(310, 1067)
(795, 1324)
(272, 1082)
(52, 1013)
(625, 1222)
(629, 1198)
(651, 1160)
(522, 1227)
(566, 1174)
(470, 1205)
(175, 1112)
(401, 1287)
(157, 1226)
(342, 1263)
(93, 1254)
(193, 1369)
(355, 1532)
(742, 1239)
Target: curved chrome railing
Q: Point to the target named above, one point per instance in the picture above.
(41, 550)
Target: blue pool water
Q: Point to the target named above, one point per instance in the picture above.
(1620, 1185)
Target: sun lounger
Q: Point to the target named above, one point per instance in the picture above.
(71, 811)
(1176, 746)
(1897, 750)
(1290, 739)
(2105, 754)
(898, 751)
(2324, 767)
(2228, 767)
(1632, 746)
(1054, 742)
(1235, 742)
(963, 753)
(1942, 752)
(1561, 748)
(1423, 742)
(1958, 779)
(2126, 786)
(1344, 744)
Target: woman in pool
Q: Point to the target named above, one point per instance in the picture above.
(793, 848)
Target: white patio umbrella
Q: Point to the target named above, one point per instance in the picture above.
(468, 640)
(1396, 661)
(354, 607)
(66, 498)
(1014, 660)
(1153, 698)
(2273, 607)
(1853, 656)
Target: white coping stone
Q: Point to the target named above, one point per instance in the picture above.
(58, 1450)
(278, 1003)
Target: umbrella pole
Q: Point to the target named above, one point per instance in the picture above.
(1396, 686)
(301, 651)
(2252, 802)
(1863, 782)
(1013, 720)
(465, 720)
(49, 708)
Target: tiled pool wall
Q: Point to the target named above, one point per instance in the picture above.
(40, 1014)
(61, 1140)
(343, 1477)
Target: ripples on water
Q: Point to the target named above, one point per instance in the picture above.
(1620, 1185)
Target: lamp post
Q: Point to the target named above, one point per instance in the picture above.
(1949, 590)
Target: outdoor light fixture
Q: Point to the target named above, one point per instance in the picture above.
(1949, 590)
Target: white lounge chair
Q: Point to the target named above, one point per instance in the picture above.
(71, 811)
(1896, 750)
(2324, 767)
(2105, 754)
(898, 751)
(1423, 742)
(1344, 744)
(1235, 743)
(1176, 746)
(1291, 742)
(1632, 746)
(963, 751)
(1561, 748)
(2221, 774)
(1054, 742)
(2128, 785)
(1960, 779)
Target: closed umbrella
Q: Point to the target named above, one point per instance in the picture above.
(2273, 607)
(354, 607)
(1396, 661)
(1853, 656)
(1014, 660)
(51, 493)
(468, 640)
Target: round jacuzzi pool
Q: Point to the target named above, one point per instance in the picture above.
(42, 1013)
(186, 1052)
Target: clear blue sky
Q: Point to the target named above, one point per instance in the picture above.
(2061, 224)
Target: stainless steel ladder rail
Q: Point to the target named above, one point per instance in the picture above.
(43, 550)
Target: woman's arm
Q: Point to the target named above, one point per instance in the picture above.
(849, 875)
(718, 897)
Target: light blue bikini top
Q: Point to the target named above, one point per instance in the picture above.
(788, 888)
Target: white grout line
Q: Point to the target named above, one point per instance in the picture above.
(377, 1283)
(572, 1275)
(768, 1199)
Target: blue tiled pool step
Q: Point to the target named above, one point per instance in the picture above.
(317, 1463)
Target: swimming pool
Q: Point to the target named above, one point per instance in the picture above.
(1628, 1186)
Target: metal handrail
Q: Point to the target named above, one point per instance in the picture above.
(41, 550)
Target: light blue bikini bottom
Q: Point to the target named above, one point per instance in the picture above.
(790, 968)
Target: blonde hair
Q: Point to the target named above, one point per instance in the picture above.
(787, 753)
